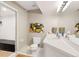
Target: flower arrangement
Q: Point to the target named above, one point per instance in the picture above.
(77, 27)
(36, 27)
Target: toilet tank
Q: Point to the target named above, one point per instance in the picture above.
(36, 40)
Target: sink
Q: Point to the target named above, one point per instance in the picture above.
(61, 44)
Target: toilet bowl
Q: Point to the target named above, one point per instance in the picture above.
(36, 43)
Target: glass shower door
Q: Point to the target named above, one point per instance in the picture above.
(7, 28)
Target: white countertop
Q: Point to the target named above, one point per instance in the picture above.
(75, 40)
(62, 44)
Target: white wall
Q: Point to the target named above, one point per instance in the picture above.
(7, 28)
(69, 21)
(48, 22)
(63, 20)
(21, 25)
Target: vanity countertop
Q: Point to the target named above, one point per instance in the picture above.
(61, 44)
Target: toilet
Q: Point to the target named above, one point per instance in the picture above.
(36, 43)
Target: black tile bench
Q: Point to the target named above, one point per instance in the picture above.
(7, 45)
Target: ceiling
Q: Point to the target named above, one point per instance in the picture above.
(73, 7)
(28, 5)
(48, 7)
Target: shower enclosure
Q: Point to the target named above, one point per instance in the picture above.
(7, 28)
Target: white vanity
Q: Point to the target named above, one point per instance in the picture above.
(59, 47)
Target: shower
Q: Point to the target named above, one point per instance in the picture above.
(7, 28)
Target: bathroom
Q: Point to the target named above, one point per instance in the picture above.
(39, 32)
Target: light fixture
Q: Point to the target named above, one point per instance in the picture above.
(59, 5)
(67, 4)
(63, 5)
